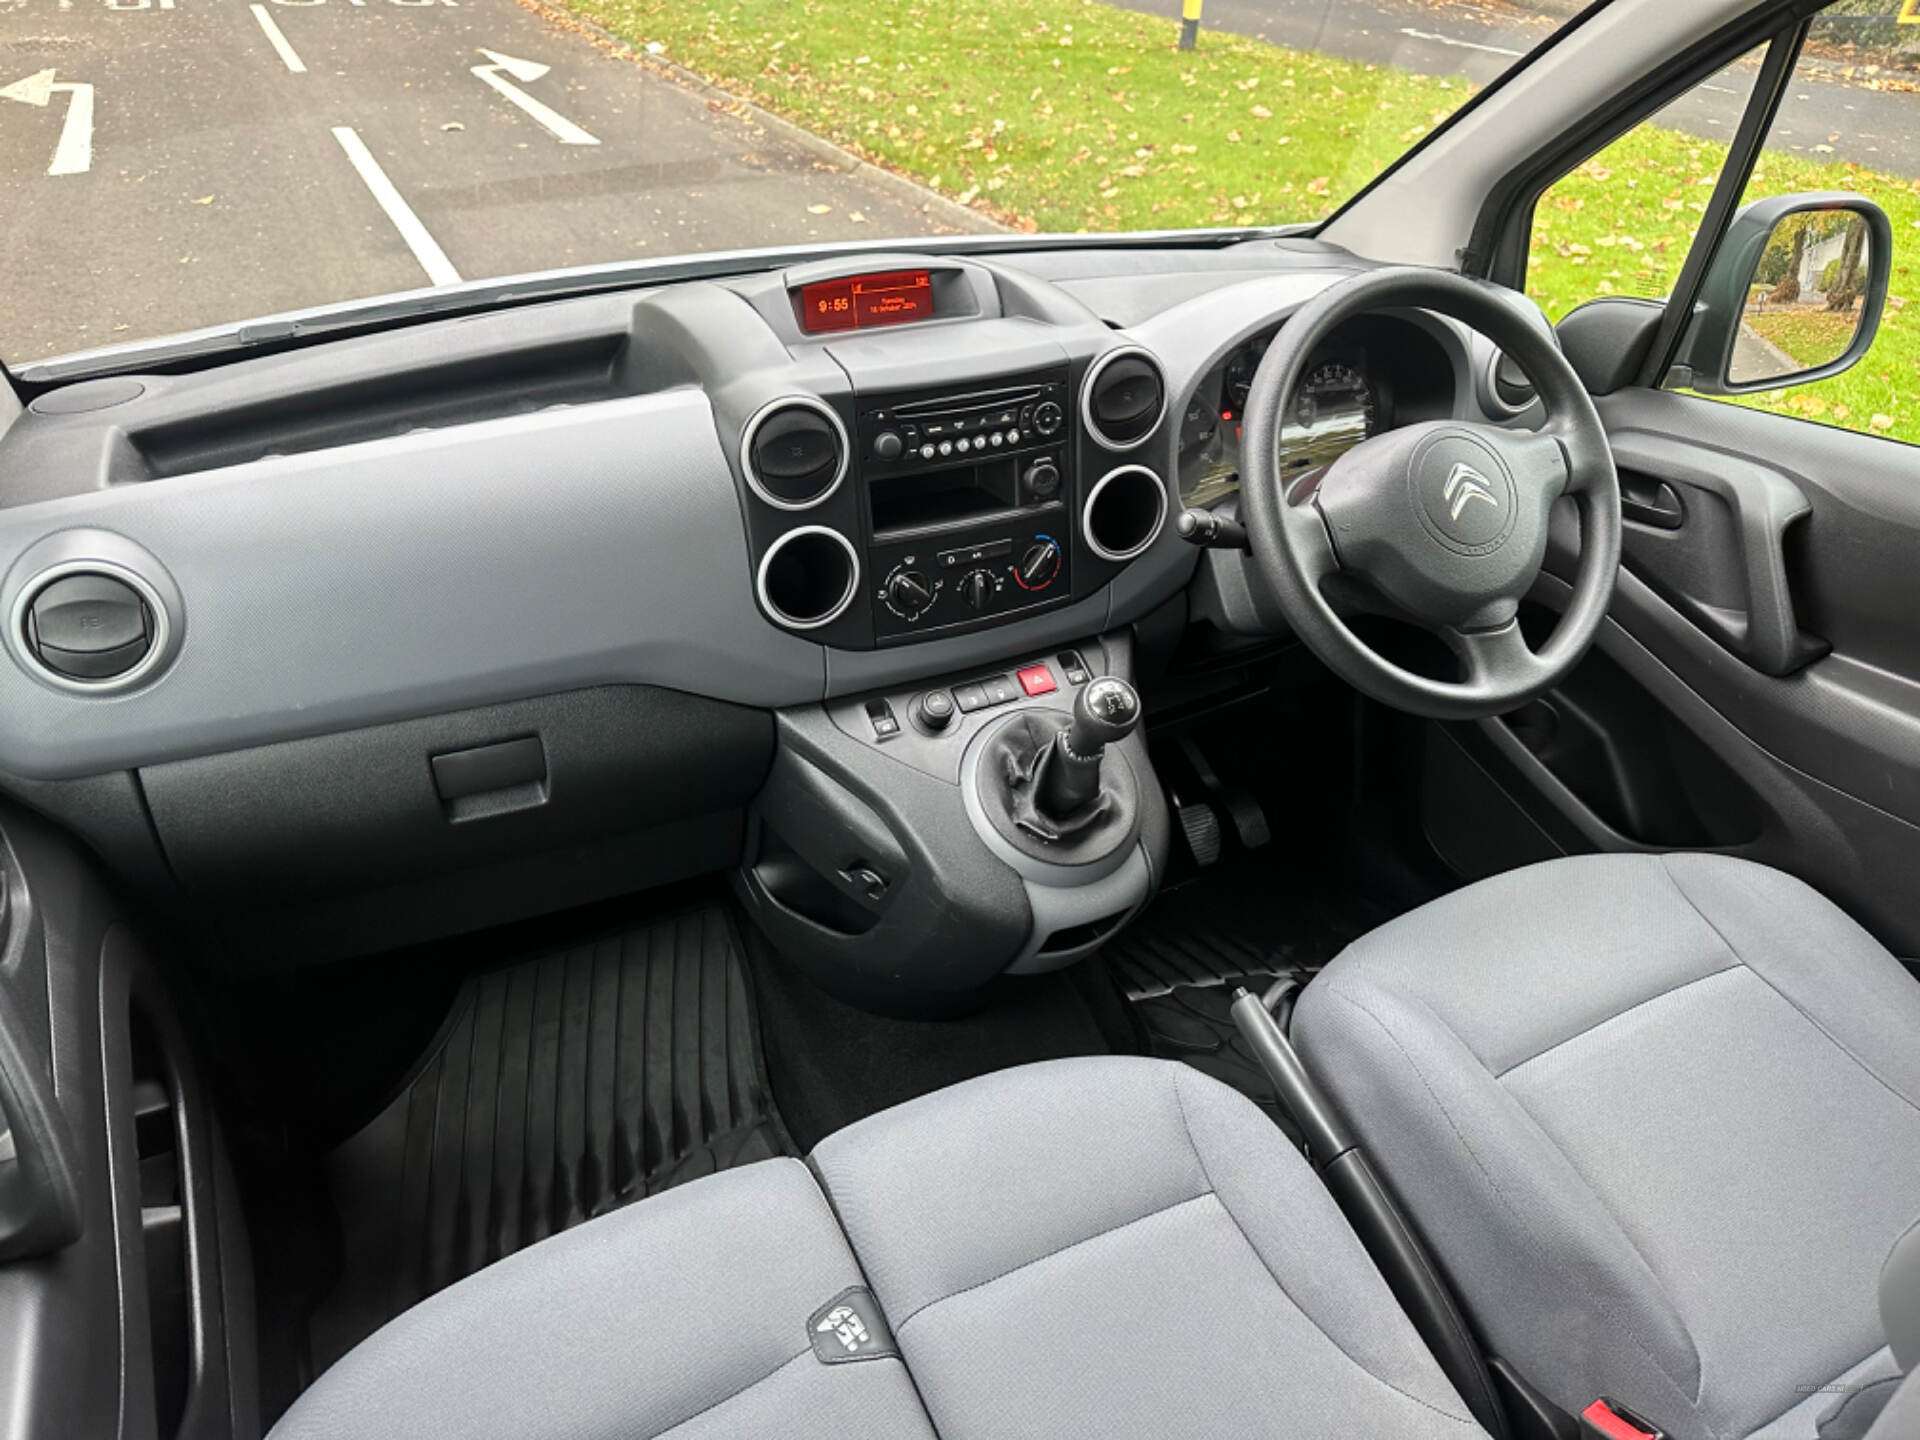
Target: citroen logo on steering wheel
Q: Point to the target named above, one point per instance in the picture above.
(1462, 492)
(1464, 486)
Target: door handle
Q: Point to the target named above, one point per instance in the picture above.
(1649, 501)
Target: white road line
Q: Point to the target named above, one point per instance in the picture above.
(278, 41)
(432, 258)
(1459, 44)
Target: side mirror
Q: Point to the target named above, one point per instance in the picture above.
(1793, 295)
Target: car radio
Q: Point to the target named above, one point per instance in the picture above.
(968, 503)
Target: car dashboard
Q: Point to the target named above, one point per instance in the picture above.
(666, 535)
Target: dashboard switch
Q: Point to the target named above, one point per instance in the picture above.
(971, 698)
(880, 713)
(934, 710)
(1036, 680)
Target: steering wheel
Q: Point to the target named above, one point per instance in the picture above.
(1446, 520)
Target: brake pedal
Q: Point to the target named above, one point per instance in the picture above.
(1249, 820)
(1201, 825)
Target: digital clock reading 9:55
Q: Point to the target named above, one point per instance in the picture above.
(862, 301)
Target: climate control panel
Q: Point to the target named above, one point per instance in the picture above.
(936, 581)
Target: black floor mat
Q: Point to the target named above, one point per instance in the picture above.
(1241, 923)
(561, 1087)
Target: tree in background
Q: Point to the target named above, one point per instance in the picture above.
(1843, 290)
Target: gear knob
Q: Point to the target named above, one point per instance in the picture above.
(1106, 710)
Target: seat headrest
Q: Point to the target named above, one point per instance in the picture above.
(1900, 1299)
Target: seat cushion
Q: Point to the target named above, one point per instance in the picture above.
(688, 1312)
(1123, 1248)
(1659, 1118)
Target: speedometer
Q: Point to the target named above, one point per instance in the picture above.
(1331, 411)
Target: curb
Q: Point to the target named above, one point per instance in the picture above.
(962, 217)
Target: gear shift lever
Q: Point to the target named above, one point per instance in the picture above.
(1104, 712)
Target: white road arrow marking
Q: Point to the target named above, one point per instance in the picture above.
(34, 90)
(74, 154)
(526, 72)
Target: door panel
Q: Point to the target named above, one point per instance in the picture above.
(1778, 625)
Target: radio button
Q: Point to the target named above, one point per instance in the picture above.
(946, 447)
(926, 452)
(996, 439)
(1047, 417)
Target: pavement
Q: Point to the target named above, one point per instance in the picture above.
(216, 160)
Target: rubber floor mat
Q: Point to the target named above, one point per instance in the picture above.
(560, 1088)
(1181, 962)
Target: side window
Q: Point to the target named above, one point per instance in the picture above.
(1844, 124)
(1622, 223)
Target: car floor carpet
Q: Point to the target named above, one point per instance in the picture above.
(559, 1088)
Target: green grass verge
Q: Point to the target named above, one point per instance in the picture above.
(1056, 114)
(1811, 336)
(1073, 115)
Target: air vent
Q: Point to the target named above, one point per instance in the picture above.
(794, 452)
(1123, 398)
(1124, 513)
(86, 625)
(1508, 384)
(808, 577)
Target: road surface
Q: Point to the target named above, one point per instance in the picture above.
(1877, 128)
(195, 162)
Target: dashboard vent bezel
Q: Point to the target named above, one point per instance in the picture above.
(783, 618)
(1497, 402)
(752, 429)
(1100, 363)
(160, 645)
(1153, 532)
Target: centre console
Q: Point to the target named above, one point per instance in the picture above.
(919, 459)
(969, 498)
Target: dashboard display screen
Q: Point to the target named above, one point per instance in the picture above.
(863, 301)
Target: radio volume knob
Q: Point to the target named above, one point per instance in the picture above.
(888, 445)
(1038, 565)
(1042, 480)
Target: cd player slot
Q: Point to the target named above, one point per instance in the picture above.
(948, 404)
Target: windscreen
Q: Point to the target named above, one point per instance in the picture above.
(173, 165)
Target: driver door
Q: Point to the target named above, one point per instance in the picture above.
(1756, 688)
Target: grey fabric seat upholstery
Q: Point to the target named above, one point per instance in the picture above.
(1108, 1248)
(684, 1314)
(1124, 1247)
(1659, 1119)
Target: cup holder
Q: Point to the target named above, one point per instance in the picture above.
(1124, 512)
(808, 577)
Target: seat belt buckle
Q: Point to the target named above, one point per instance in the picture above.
(1605, 1419)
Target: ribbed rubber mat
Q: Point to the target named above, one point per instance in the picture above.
(1154, 959)
(560, 1088)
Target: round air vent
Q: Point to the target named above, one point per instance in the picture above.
(1123, 398)
(1508, 383)
(808, 577)
(1124, 512)
(794, 452)
(87, 625)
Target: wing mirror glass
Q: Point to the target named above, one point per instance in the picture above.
(1794, 295)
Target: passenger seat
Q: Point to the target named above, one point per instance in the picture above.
(1109, 1248)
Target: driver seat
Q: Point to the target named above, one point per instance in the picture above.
(1657, 1118)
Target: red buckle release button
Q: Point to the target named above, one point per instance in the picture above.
(1604, 1418)
(1035, 679)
